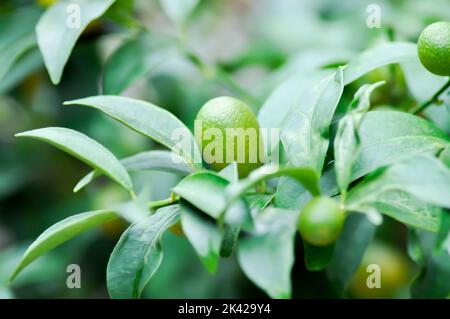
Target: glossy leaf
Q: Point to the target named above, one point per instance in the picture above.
(203, 234)
(349, 250)
(291, 195)
(293, 91)
(284, 98)
(302, 175)
(206, 191)
(386, 137)
(85, 149)
(385, 54)
(134, 60)
(60, 27)
(149, 120)
(151, 160)
(138, 254)
(305, 135)
(62, 232)
(423, 176)
(267, 255)
(346, 142)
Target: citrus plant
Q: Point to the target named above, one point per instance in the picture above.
(335, 171)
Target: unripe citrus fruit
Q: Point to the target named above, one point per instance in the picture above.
(228, 131)
(321, 221)
(383, 273)
(434, 48)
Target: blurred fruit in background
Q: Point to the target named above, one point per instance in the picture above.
(396, 272)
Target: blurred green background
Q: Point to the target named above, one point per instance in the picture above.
(258, 43)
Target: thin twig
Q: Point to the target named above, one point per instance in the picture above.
(433, 99)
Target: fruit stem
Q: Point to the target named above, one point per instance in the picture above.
(163, 202)
(433, 99)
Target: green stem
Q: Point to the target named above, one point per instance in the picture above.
(433, 99)
(163, 202)
(220, 75)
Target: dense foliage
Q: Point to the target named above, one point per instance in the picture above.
(364, 174)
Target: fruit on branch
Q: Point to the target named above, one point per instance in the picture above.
(321, 221)
(227, 131)
(434, 48)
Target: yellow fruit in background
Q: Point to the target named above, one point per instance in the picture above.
(234, 120)
(434, 48)
(177, 229)
(46, 3)
(395, 272)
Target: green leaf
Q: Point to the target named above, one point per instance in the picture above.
(303, 175)
(12, 53)
(28, 63)
(151, 160)
(423, 176)
(432, 252)
(306, 132)
(267, 255)
(443, 235)
(258, 202)
(349, 250)
(445, 157)
(285, 97)
(230, 237)
(85, 149)
(206, 191)
(138, 254)
(60, 27)
(62, 232)
(407, 209)
(387, 137)
(149, 120)
(134, 60)
(178, 11)
(371, 59)
(230, 172)
(346, 142)
(16, 36)
(317, 258)
(421, 83)
(203, 234)
(295, 90)
(291, 195)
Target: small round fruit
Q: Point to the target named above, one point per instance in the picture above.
(321, 221)
(228, 131)
(434, 48)
(384, 273)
